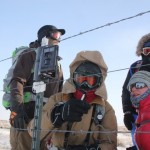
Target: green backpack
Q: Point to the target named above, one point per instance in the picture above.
(6, 82)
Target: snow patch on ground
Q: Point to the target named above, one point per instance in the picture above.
(124, 139)
(4, 139)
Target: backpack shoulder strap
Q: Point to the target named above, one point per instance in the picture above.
(86, 141)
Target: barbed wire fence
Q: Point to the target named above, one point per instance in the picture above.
(90, 30)
(81, 33)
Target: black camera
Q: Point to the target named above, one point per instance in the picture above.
(48, 62)
(46, 65)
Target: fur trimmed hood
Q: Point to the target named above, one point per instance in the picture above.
(141, 43)
(94, 57)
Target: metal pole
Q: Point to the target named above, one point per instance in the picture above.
(46, 60)
(39, 88)
(37, 121)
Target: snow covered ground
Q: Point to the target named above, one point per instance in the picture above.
(124, 139)
(4, 139)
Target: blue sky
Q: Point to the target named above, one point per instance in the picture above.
(20, 21)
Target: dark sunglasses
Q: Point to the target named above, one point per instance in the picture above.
(137, 85)
(55, 35)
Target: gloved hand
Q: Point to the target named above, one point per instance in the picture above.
(76, 147)
(93, 147)
(18, 118)
(71, 111)
(128, 120)
(131, 148)
(81, 147)
(74, 109)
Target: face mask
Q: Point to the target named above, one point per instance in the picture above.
(146, 59)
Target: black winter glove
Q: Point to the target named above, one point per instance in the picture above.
(81, 147)
(131, 148)
(18, 118)
(74, 109)
(128, 120)
(93, 147)
(76, 147)
(71, 111)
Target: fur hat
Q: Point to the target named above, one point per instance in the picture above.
(140, 76)
(142, 41)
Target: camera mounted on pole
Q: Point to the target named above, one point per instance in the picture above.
(48, 67)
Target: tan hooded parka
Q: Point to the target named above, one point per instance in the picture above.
(105, 132)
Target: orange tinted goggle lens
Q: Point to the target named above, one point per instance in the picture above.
(56, 35)
(146, 50)
(91, 80)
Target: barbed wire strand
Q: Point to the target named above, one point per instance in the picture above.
(108, 24)
(79, 131)
(90, 30)
(112, 71)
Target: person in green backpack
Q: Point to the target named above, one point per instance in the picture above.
(22, 96)
(6, 81)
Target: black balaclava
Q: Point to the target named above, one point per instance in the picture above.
(146, 58)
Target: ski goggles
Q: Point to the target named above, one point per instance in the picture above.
(55, 35)
(137, 85)
(146, 51)
(91, 80)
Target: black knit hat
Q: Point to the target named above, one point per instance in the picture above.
(45, 30)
